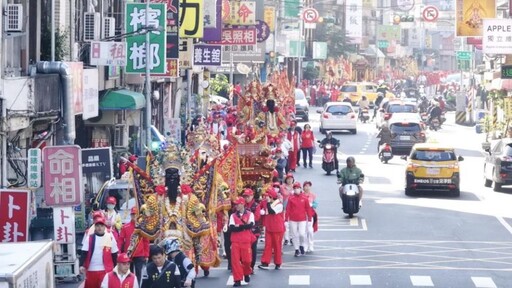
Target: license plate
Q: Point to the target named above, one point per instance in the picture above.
(433, 171)
(406, 138)
(386, 154)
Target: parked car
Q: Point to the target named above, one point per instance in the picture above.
(404, 135)
(354, 90)
(498, 164)
(338, 116)
(301, 105)
(432, 167)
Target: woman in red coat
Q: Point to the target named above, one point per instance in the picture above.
(293, 154)
(307, 145)
(274, 229)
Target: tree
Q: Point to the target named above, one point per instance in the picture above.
(61, 49)
(311, 73)
(336, 39)
(220, 85)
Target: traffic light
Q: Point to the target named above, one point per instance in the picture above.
(397, 19)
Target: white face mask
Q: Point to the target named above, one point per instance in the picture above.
(296, 190)
(110, 206)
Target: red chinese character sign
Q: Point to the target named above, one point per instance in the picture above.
(62, 175)
(14, 218)
(64, 225)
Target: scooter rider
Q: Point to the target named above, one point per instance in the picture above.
(363, 104)
(384, 135)
(435, 112)
(378, 101)
(351, 173)
(335, 143)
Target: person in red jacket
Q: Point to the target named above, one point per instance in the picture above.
(240, 225)
(253, 206)
(120, 277)
(140, 254)
(99, 254)
(307, 145)
(274, 229)
(298, 213)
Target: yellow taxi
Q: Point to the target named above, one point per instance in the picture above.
(432, 167)
(354, 90)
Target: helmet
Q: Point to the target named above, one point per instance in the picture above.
(328, 133)
(351, 159)
(171, 245)
(380, 94)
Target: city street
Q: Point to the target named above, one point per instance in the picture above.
(399, 241)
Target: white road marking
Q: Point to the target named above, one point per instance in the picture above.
(423, 281)
(483, 282)
(302, 280)
(359, 280)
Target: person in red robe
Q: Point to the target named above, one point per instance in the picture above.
(293, 156)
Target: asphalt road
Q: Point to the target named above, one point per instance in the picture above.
(430, 240)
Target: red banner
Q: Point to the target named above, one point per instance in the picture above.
(14, 218)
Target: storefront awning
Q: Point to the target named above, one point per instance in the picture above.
(122, 100)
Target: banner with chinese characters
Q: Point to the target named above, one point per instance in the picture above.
(470, 14)
(244, 53)
(136, 45)
(14, 219)
(108, 53)
(237, 36)
(207, 55)
(64, 225)
(212, 20)
(192, 16)
(269, 16)
(62, 166)
(90, 93)
(34, 168)
(243, 13)
(173, 69)
(186, 47)
(354, 21)
(497, 37)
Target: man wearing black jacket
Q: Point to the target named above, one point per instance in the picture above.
(160, 273)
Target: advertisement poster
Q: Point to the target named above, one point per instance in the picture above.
(470, 15)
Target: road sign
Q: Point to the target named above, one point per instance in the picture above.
(464, 65)
(463, 55)
(506, 71)
(384, 44)
(310, 15)
(430, 13)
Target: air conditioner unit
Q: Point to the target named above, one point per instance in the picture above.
(13, 18)
(92, 26)
(109, 27)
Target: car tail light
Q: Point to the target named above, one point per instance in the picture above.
(503, 175)
(413, 166)
(325, 115)
(451, 186)
(352, 115)
(386, 148)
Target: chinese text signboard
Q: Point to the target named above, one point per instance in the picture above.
(243, 13)
(192, 16)
(207, 55)
(173, 69)
(244, 53)
(64, 225)
(354, 21)
(186, 47)
(136, 45)
(237, 36)
(62, 175)
(108, 53)
(34, 168)
(497, 36)
(212, 20)
(97, 160)
(14, 219)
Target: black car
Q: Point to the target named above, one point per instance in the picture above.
(498, 164)
(404, 135)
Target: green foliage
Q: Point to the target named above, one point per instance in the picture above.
(61, 42)
(336, 39)
(220, 85)
(311, 73)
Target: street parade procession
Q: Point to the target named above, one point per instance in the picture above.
(208, 199)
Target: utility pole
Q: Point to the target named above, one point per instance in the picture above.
(52, 32)
(301, 38)
(149, 55)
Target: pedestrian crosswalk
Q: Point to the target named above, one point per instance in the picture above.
(366, 280)
(341, 223)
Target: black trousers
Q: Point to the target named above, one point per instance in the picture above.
(136, 267)
(254, 248)
(298, 157)
(227, 246)
(307, 151)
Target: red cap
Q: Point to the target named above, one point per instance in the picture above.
(132, 158)
(279, 150)
(134, 210)
(296, 185)
(123, 258)
(100, 220)
(239, 200)
(248, 192)
(111, 200)
(270, 192)
(289, 175)
(276, 184)
(307, 183)
(97, 214)
(275, 174)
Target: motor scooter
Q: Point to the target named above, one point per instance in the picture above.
(434, 124)
(385, 153)
(328, 160)
(364, 115)
(349, 195)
